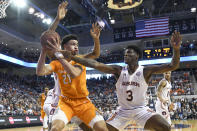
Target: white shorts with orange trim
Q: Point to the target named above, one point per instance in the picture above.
(163, 111)
(122, 117)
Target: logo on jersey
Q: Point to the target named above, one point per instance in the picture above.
(138, 74)
(132, 83)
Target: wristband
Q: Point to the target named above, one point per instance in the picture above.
(59, 55)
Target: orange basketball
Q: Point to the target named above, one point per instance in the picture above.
(49, 36)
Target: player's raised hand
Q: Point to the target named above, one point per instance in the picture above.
(61, 12)
(95, 31)
(176, 39)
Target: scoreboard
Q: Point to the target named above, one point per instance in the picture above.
(157, 53)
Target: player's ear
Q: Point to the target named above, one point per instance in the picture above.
(137, 56)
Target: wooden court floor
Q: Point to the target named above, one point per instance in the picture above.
(182, 125)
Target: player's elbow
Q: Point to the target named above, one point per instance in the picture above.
(39, 73)
(95, 55)
(174, 67)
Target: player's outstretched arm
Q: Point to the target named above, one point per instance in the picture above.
(61, 13)
(95, 33)
(110, 69)
(159, 69)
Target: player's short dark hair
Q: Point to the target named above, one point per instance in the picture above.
(67, 38)
(136, 49)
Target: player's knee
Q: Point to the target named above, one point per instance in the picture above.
(165, 127)
(57, 125)
(100, 126)
(56, 128)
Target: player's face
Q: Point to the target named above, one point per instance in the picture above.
(72, 45)
(167, 75)
(130, 56)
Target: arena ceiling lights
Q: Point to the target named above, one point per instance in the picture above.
(20, 3)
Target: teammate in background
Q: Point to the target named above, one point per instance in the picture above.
(72, 79)
(44, 116)
(132, 86)
(48, 108)
(163, 97)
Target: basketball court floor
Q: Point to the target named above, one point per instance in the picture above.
(186, 125)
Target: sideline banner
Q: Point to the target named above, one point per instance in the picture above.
(14, 121)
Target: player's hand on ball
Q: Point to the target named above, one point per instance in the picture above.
(53, 46)
(176, 39)
(61, 13)
(95, 31)
(51, 37)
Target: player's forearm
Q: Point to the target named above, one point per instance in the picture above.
(175, 59)
(41, 64)
(85, 61)
(96, 51)
(54, 25)
(159, 96)
(70, 69)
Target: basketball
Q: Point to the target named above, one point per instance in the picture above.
(49, 36)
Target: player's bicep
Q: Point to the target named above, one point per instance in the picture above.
(89, 56)
(161, 85)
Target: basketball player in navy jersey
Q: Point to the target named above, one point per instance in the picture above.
(132, 86)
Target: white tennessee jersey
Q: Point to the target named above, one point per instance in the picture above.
(165, 92)
(131, 89)
(50, 97)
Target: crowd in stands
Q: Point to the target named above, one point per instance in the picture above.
(18, 95)
(186, 109)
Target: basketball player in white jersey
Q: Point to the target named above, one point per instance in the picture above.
(48, 108)
(163, 97)
(132, 86)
